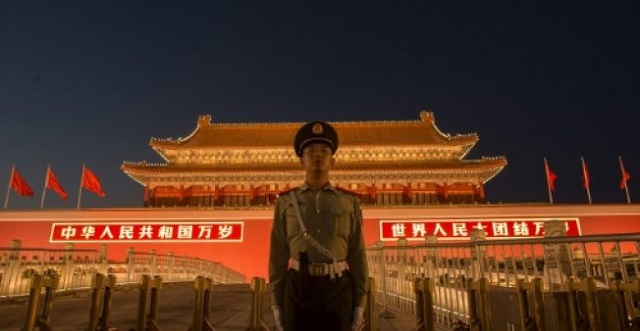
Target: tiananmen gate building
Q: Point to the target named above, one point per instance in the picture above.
(247, 164)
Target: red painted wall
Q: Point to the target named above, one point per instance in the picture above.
(251, 255)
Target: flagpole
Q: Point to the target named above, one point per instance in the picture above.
(80, 188)
(44, 188)
(624, 180)
(6, 197)
(585, 178)
(546, 170)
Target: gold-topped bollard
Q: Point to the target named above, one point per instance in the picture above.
(371, 320)
(624, 294)
(50, 283)
(149, 297)
(203, 288)
(102, 288)
(588, 287)
(478, 303)
(257, 290)
(531, 291)
(424, 288)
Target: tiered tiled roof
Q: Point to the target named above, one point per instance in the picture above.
(264, 150)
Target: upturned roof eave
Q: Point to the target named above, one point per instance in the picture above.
(148, 170)
(353, 132)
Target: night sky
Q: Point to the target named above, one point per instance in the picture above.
(91, 82)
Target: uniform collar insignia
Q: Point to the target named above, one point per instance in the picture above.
(328, 187)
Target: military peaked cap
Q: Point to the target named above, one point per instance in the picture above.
(315, 132)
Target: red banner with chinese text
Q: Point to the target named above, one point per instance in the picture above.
(145, 232)
(461, 229)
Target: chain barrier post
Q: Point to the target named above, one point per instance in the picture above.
(100, 301)
(149, 297)
(419, 293)
(50, 284)
(478, 303)
(257, 290)
(587, 287)
(153, 304)
(531, 291)
(428, 289)
(424, 288)
(203, 288)
(624, 294)
(370, 312)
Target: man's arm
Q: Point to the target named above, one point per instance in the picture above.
(357, 258)
(278, 254)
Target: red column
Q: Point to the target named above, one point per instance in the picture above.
(146, 195)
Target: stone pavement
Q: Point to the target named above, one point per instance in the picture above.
(230, 311)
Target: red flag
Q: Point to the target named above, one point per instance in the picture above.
(54, 184)
(551, 177)
(20, 185)
(91, 182)
(585, 174)
(625, 176)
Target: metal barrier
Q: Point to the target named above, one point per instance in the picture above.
(100, 305)
(149, 297)
(539, 272)
(203, 288)
(37, 283)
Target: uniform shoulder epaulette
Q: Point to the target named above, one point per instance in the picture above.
(344, 190)
(287, 191)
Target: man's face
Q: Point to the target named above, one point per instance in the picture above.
(317, 157)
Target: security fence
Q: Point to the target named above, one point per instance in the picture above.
(513, 284)
(74, 268)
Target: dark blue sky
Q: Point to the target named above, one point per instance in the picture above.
(86, 82)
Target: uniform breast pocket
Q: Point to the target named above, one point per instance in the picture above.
(293, 228)
(342, 221)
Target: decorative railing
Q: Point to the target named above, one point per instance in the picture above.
(76, 267)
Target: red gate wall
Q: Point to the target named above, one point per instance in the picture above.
(250, 255)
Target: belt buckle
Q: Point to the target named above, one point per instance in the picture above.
(318, 269)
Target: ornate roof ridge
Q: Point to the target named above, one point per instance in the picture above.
(204, 121)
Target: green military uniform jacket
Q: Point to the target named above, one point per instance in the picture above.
(333, 217)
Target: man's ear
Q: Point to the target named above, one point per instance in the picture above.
(333, 161)
(301, 161)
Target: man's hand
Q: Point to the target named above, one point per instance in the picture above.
(358, 319)
(277, 317)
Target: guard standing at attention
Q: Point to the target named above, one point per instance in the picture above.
(317, 262)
